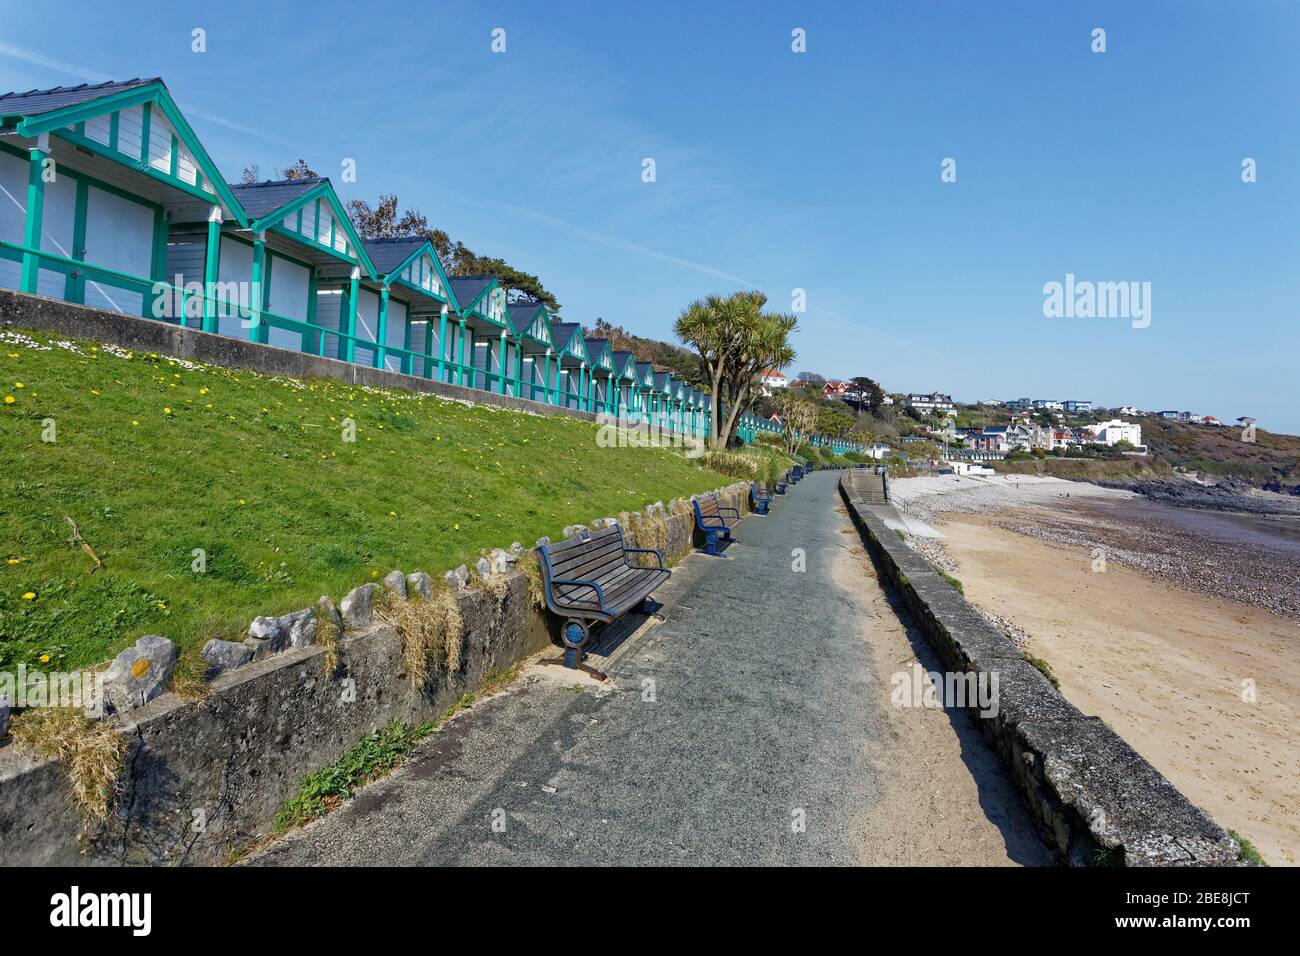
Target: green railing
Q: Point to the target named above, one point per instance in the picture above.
(196, 309)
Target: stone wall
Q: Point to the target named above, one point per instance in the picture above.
(1096, 800)
(231, 759)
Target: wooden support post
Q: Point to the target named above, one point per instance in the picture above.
(519, 368)
(381, 329)
(442, 344)
(211, 267)
(256, 333)
(505, 357)
(35, 212)
(354, 290)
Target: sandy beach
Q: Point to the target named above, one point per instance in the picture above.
(1169, 663)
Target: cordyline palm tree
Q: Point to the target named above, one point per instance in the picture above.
(712, 326)
(764, 344)
(736, 340)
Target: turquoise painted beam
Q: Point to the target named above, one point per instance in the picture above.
(35, 213)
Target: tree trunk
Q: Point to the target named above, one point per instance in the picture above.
(715, 402)
(733, 416)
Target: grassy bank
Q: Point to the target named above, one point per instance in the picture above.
(203, 496)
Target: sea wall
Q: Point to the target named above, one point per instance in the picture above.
(1095, 799)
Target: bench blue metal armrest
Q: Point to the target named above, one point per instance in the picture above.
(580, 582)
(655, 551)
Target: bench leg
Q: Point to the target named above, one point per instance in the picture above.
(711, 544)
(575, 635)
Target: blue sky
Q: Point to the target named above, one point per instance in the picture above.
(778, 170)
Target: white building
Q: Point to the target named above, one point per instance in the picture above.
(771, 380)
(933, 402)
(1115, 431)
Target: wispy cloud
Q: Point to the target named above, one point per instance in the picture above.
(36, 58)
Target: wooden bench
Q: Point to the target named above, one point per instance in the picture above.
(715, 521)
(590, 579)
(761, 497)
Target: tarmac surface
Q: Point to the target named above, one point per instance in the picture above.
(752, 726)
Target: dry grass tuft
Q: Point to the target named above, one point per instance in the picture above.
(93, 752)
(431, 629)
(189, 679)
(532, 569)
(329, 637)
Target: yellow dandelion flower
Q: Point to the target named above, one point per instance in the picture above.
(134, 422)
(29, 596)
(167, 411)
(9, 399)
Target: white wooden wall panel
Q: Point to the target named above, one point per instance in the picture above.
(236, 266)
(119, 235)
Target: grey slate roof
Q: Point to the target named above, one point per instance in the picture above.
(661, 380)
(35, 102)
(388, 254)
(620, 360)
(596, 346)
(522, 312)
(563, 331)
(468, 288)
(642, 368)
(262, 199)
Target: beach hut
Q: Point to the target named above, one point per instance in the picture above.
(478, 339)
(624, 383)
(603, 379)
(415, 299)
(291, 270)
(663, 388)
(91, 179)
(645, 387)
(536, 355)
(575, 365)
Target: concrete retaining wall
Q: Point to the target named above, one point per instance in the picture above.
(1097, 801)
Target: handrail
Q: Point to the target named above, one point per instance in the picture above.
(447, 368)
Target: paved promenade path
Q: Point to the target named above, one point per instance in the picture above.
(752, 726)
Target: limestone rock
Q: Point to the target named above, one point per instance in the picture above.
(456, 580)
(225, 656)
(140, 673)
(517, 550)
(543, 542)
(302, 628)
(482, 568)
(327, 613)
(273, 630)
(502, 561)
(395, 581)
(358, 607)
(419, 584)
